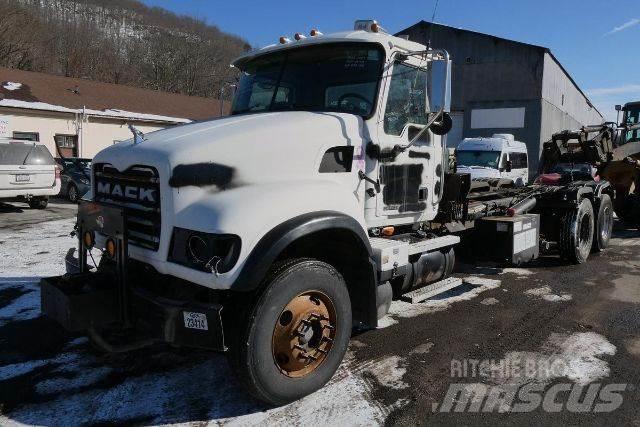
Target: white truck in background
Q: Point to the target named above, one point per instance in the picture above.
(499, 156)
(270, 234)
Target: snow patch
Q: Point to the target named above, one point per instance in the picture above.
(546, 293)
(401, 309)
(520, 272)
(577, 357)
(422, 348)
(11, 85)
(633, 346)
(388, 372)
(25, 307)
(22, 253)
(489, 301)
(113, 113)
(15, 370)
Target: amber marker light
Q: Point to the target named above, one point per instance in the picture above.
(88, 238)
(110, 248)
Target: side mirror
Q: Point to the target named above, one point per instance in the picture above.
(442, 126)
(618, 107)
(438, 86)
(508, 166)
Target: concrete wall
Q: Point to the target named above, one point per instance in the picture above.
(559, 91)
(94, 134)
(485, 67)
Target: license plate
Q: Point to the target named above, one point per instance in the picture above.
(195, 321)
(23, 178)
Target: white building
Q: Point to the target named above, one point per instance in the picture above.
(77, 117)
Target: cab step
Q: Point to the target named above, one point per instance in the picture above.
(437, 288)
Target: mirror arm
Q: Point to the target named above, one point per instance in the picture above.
(422, 132)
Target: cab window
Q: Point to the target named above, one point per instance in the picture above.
(406, 99)
(519, 160)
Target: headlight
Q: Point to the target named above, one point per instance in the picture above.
(213, 253)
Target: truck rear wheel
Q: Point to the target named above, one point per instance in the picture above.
(297, 333)
(604, 224)
(576, 233)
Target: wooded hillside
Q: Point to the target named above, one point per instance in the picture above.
(117, 41)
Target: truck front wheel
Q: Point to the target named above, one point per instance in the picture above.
(297, 333)
(577, 233)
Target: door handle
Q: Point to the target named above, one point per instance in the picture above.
(376, 184)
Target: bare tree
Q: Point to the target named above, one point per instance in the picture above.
(117, 41)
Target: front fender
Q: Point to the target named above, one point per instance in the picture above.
(252, 211)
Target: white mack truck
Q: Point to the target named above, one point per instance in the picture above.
(271, 233)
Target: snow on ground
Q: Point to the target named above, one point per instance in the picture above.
(546, 293)
(36, 251)
(12, 85)
(79, 386)
(15, 103)
(472, 287)
(579, 357)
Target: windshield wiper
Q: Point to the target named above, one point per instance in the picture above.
(24, 162)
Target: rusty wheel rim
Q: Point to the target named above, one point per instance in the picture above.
(303, 334)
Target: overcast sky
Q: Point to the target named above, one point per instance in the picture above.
(597, 41)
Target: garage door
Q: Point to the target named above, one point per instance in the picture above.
(454, 137)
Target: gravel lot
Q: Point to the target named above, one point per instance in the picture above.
(586, 317)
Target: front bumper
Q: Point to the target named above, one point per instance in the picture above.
(108, 300)
(89, 302)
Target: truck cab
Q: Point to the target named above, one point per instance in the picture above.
(269, 234)
(499, 156)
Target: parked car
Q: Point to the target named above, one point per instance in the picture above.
(497, 157)
(75, 176)
(28, 172)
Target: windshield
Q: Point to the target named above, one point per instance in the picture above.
(487, 159)
(632, 117)
(340, 77)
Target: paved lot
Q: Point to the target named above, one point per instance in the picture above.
(17, 215)
(585, 319)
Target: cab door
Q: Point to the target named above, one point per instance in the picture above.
(407, 178)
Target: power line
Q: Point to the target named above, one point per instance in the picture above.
(433, 18)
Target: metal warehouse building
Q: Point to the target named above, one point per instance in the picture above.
(504, 86)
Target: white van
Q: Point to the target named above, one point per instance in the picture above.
(497, 157)
(27, 172)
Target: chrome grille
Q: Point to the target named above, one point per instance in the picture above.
(137, 190)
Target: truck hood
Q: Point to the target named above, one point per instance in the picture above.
(479, 172)
(244, 149)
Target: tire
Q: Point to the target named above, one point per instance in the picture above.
(604, 224)
(38, 202)
(576, 233)
(72, 193)
(259, 356)
(627, 208)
